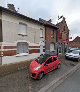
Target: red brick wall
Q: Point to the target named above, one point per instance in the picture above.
(48, 34)
(9, 47)
(9, 53)
(63, 29)
(34, 46)
(10, 50)
(34, 51)
(74, 44)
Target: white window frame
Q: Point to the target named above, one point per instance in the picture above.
(41, 34)
(22, 32)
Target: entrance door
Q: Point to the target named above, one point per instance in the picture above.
(22, 47)
(51, 47)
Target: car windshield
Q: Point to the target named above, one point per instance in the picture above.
(70, 51)
(42, 58)
(75, 52)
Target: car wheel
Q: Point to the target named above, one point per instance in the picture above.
(40, 76)
(66, 57)
(59, 66)
(78, 59)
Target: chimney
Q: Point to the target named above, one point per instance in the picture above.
(50, 20)
(11, 7)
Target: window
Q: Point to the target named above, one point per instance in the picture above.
(67, 35)
(49, 61)
(61, 35)
(64, 28)
(52, 34)
(75, 52)
(41, 33)
(22, 29)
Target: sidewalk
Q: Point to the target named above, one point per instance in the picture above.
(71, 84)
(15, 59)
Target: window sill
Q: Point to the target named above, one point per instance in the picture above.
(23, 34)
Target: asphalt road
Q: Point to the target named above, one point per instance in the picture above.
(71, 84)
(20, 81)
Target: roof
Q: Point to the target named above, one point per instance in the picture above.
(48, 23)
(20, 15)
(77, 39)
(43, 22)
(61, 23)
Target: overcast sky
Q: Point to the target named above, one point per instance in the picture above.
(50, 9)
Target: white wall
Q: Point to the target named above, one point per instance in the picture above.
(10, 25)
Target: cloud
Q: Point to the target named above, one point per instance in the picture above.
(50, 9)
(33, 8)
(75, 30)
(70, 10)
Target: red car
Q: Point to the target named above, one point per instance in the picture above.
(43, 65)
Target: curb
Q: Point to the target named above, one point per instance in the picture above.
(55, 83)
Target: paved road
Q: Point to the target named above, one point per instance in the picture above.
(71, 84)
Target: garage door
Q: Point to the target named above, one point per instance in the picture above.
(22, 47)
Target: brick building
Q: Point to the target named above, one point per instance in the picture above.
(50, 34)
(75, 43)
(63, 36)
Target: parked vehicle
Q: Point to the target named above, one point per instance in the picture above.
(74, 55)
(51, 52)
(43, 65)
(72, 49)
